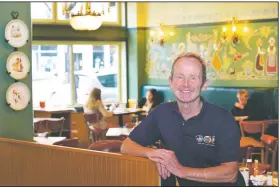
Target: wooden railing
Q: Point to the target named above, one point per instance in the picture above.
(28, 164)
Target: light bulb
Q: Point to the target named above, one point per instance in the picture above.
(224, 29)
(233, 28)
(152, 33)
(171, 34)
(245, 29)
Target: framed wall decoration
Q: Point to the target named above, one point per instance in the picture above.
(18, 96)
(18, 65)
(16, 33)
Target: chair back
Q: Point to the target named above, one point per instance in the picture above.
(92, 118)
(52, 125)
(252, 127)
(40, 127)
(56, 125)
(107, 146)
(270, 145)
(73, 142)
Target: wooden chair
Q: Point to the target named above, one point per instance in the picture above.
(107, 146)
(95, 133)
(51, 125)
(55, 125)
(252, 127)
(130, 125)
(72, 142)
(245, 152)
(271, 145)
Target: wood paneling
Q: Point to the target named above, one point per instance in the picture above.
(27, 163)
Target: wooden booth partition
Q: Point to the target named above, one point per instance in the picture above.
(28, 164)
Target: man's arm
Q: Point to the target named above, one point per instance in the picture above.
(132, 148)
(225, 173)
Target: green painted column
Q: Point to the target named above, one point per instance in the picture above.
(14, 124)
(136, 62)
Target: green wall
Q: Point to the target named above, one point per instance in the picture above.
(14, 124)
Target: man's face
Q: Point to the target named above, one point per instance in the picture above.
(243, 99)
(186, 82)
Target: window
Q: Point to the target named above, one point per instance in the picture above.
(61, 81)
(44, 11)
(49, 79)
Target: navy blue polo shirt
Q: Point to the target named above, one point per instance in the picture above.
(206, 140)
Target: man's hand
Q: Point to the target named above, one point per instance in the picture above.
(162, 171)
(168, 159)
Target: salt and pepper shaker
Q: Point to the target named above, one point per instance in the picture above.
(269, 179)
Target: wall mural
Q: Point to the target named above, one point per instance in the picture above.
(242, 56)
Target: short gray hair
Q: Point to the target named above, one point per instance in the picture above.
(191, 55)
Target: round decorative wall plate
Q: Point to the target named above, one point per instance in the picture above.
(18, 96)
(18, 65)
(16, 33)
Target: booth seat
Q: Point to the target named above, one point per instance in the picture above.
(264, 99)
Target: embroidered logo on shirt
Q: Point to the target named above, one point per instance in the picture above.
(199, 138)
(207, 140)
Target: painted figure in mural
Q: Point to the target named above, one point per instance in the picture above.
(190, 45)
(248, 68)
(203, 51)
(216, 61)
(201, 140)
(181, 48)
(260, 57)
(271, 60)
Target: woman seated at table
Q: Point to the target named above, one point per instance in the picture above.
(94, 104)
(241, 108)
(149, 102)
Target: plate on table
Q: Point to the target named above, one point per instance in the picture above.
(18, 96)
(239, 118)
(18, 65)
(16, 33)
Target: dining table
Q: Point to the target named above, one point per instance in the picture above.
(120, 112)
(50, 140)
(116, 132)
(36, 120)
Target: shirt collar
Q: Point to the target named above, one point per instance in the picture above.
(175, 108)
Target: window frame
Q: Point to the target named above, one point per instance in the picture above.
(122, 68)
(46, 21)
(55, 20)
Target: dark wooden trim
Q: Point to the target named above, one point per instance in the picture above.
(67, 33)
(206, 24)
(66, 26)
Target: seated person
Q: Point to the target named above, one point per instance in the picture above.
(241, 108)
(94, 105)
(149, 102)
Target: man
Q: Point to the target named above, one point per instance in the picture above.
(201, 139)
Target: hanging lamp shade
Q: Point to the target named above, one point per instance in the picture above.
(86, 22)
